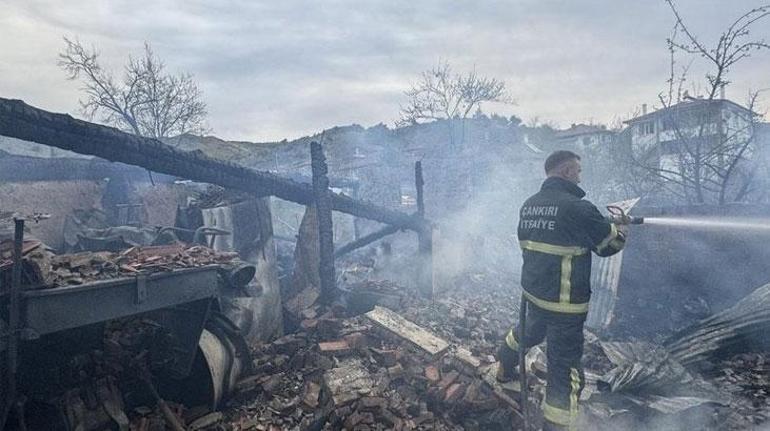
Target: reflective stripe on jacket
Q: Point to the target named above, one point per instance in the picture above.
(558, 230)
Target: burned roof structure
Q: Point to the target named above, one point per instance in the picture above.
(22, 121)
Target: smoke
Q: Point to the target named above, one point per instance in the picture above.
(481, 236)
(693, 419)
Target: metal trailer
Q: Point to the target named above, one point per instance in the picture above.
(57, 325)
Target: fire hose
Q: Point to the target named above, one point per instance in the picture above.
(522, 364)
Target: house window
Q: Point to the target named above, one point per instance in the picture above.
(668, 123)
(647, 128)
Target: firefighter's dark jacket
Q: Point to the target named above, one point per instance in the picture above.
(558, 230)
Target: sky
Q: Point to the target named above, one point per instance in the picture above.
(271, 70)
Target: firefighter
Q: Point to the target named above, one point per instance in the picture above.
(558, 230)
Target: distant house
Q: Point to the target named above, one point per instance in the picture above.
(583, 137)
(666, 134)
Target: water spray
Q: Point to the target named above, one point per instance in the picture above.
(620, 217)
(712, 223)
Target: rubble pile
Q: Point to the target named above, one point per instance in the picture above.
(391, 372)
(43, 268)
(477, 321)
(747, 377)
(368, 372)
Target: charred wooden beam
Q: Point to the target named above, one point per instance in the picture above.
(14, 325)
(366, 240)
(321, 199)
(22, 121)
(424, 238)
(419, 182)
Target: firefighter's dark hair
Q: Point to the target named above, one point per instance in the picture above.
(558, 157)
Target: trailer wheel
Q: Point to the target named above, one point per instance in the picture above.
(223, 357)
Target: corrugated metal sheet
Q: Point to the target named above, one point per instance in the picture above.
(605, 277)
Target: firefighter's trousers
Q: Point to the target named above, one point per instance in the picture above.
(564, 336)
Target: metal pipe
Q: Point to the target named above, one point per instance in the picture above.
(239, 273)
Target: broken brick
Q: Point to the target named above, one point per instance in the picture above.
(373, 403)
(206, 421)
(391, 419)
(338, 347)
(329, 328)
(349, 382)
(248, 384)
(448, 379)
(396, 372)
(272, 383)
(454, 392)
(309, 313)
(356, 340)
(312, 392)
(386, 358)
(432, 374)
(309, 324)
(288, 345)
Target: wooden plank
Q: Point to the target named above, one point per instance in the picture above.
(466, 357)
(407, 330)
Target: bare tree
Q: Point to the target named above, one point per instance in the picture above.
(145, 101)
(712, 148)
(442, 94)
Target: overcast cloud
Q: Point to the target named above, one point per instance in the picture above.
(274, 70)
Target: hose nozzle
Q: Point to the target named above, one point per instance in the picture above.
(618, 216)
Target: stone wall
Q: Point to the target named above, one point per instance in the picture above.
(57, 198)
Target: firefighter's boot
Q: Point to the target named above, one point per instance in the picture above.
(507, 366)
(507, 373)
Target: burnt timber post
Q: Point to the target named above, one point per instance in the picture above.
(322, 202)
(424, 238)
(418, 184)
(14, 327)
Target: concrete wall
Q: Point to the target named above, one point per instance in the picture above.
(61, 198)
(57, 198)
(672, 276)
